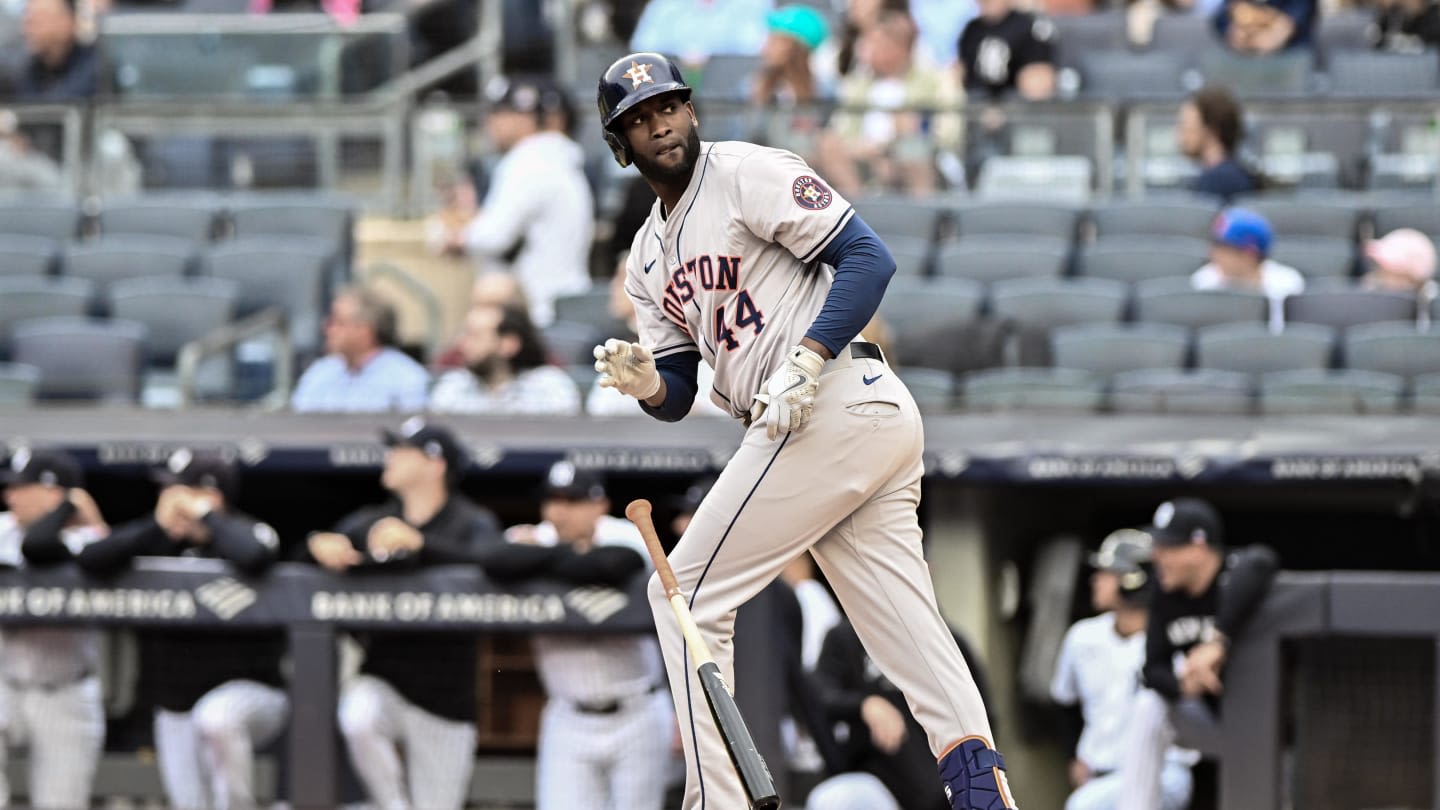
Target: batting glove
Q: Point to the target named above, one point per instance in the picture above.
(789, 394)
(628, 368)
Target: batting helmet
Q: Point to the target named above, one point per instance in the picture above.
(629, 81)
(1126, 553)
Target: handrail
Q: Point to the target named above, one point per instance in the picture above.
(271, 321)
(422, 293)
(406, 85)
(191, 24)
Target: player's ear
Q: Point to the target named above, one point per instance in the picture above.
(690, 108)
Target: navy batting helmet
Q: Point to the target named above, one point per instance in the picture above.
(629, 81)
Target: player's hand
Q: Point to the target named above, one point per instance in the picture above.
(87, 513)
(1079, 773)
(525, 534)
(788, 397)
(169, 515)
(886, 723)
(628, 368)
(333, 551)
(392, 537)
(1203, 664)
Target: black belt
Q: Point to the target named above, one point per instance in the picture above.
(869, 351)
(610, 706)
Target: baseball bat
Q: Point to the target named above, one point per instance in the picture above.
(746, 758)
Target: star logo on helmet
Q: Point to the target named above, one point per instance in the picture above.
(638, 74)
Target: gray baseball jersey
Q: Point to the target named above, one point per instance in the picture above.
(738, 279)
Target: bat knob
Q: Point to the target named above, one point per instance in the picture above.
(639, 509)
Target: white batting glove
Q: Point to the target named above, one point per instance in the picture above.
(789, 395)
(628, 368)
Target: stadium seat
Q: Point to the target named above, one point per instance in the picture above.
(114, 258)
(1200, 391)
(1128, 76)
(1137, 258)
(82, 359)
(932, 388)
(18, 384)
(1346, 391)
(1030, 219)
(1318, 258)
(1302, 147)
(1422, 216)
(1425, 394)
(1251, 348)
(727, 77)
(1107, 349)
(50, 220)
(309, 216)
(174, 312)
(1036, 177)
(1169, 216)
(1302, 216)
(192, 220)
(591, 307)
(572, 344)
(1053, 302)
(1080, 34)
(1378, 74)
(893, 216)
(1345, 30)
(1175, 301)
(994, 258)
(26, 297)
(1284, 74)
(24, 255)
(913, 255)
(1394, 348)
(1044, 389)
(1179, 32)
(285, 272)
(1344, 308)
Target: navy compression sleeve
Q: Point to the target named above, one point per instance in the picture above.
(863, 267)
(678, 371)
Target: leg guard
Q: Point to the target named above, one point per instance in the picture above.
(973, 774)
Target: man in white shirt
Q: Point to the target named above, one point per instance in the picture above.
(361, 370)
(537, 220)
(506, 369)
(1239, 260)
(1099, 668)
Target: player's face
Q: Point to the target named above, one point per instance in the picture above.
(664, 137)
(30, 502)
(345, 331)
(480, 342)
(1234, 263)
(1189, 131)
(404, 467)
(1178, 567)
(1104, 590)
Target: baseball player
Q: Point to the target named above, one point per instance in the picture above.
(752, 263)
(1099, 669)
(50, 694)
(606, 729)
(219, 696)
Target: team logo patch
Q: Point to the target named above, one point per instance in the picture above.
(638, 74)
(810, 193)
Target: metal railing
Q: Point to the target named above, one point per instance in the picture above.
(270, 323)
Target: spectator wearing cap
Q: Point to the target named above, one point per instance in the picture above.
(1208, 130)
(218, 696)
(361, 370)
(1005, 51)
(608, 719)
(59, 67)
(1402, 261)
(1098, 670)
(1205, 598)
(695, 30)
(784, 76)
(415, 692)
(506, 369)
(50, 695)
(1240, 241)
(537, 218)
(1259, 27)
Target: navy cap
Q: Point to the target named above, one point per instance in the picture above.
(1186, 521)
(565, 482)
(208, 471)
(48, 467)
(432, 440)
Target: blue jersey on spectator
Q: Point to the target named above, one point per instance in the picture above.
(1225, 180)
(389, 381)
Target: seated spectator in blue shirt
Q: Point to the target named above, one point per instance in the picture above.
(361, 370)
(1265, 26)
(59, 67)
(1208, 131)
(695, 30)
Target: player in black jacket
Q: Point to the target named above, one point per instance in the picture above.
(218, 696)
(1205, 598)
(415, 691)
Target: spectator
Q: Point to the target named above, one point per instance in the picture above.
(538, 215)
(1239, 260)
(1005, 50)
(361, 370)
(1208, 130)
(1402, 261)
(695, 30)
(49, 692)
(608, 721)
(22, 167)
(506, 370)
(1204, 601)
(219, 696)
(415, 692)
(887, 136)
(60, 68)
(785, 76)
(941, 22)
(886, 749)
(1408, 26)
(1265, 26)
(1099, 669)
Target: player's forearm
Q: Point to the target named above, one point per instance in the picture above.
(42, 543)
(863, 267)
(239, 541)
(1245, 588)
(676, 395)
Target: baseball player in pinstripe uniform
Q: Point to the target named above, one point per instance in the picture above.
(218, 695)
(752, 263)
(49, 693)
(606, 729)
